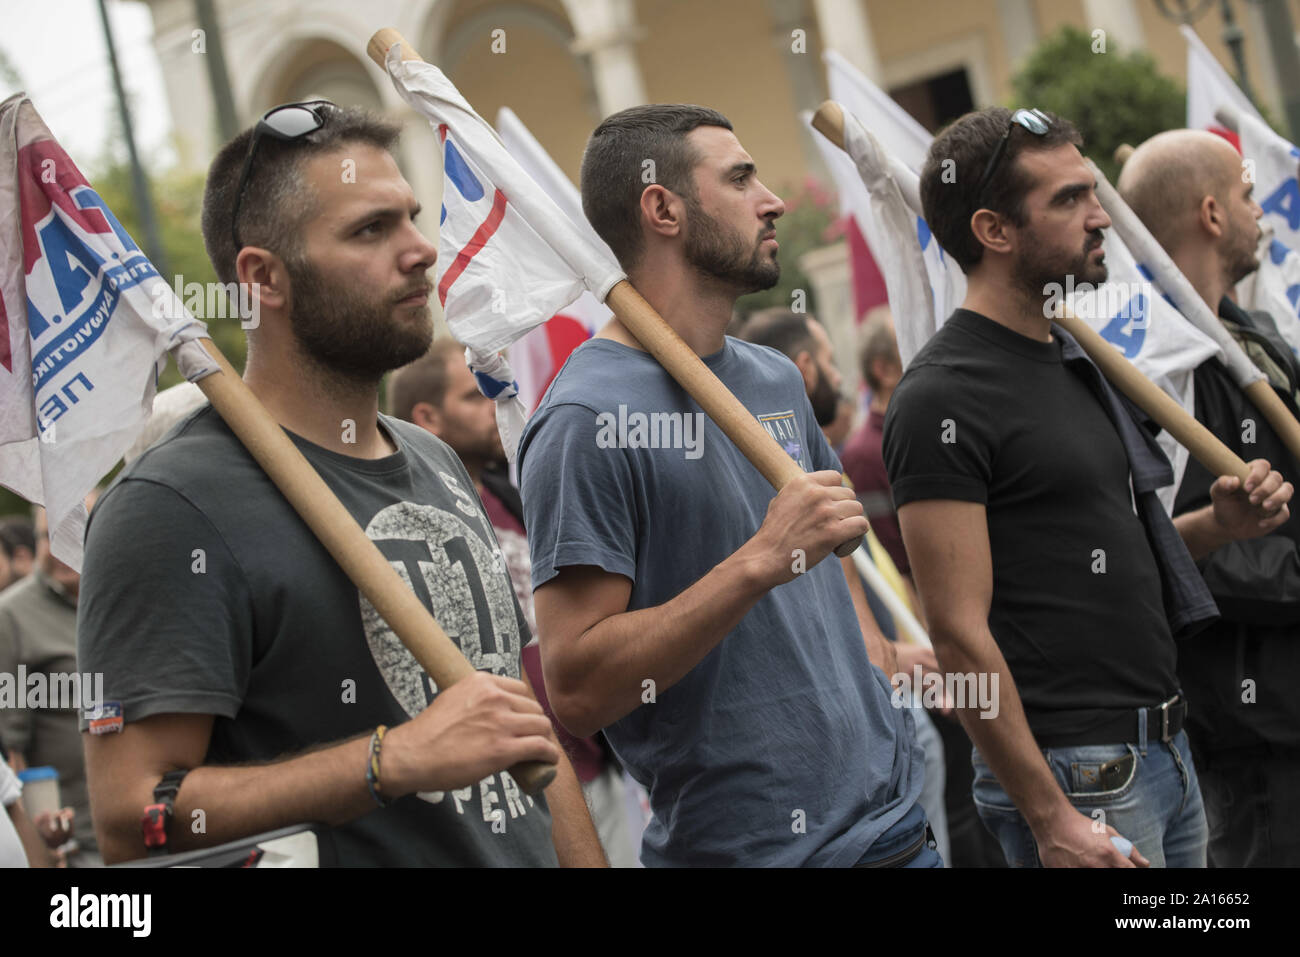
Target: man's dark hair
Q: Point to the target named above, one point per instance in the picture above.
(614, 167)
(17, 531)
(878, 342)
(277, 201)
(948, 188)
(785, 331)
(424, 380)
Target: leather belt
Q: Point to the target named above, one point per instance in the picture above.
(1164, 722)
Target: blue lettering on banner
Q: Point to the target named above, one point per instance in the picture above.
(87, 327)
(73, 266)
(1285, 202)
(1133, 318)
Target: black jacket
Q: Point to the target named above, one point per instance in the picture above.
(1241, 673)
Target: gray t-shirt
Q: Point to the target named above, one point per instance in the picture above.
(781, 746)
(204, 592)
(38, 631)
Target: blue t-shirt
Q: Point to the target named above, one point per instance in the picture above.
(781, 746)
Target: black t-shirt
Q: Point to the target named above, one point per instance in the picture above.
(203, 592)
(986, 415)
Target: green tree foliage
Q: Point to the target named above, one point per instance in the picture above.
(1112, 97)
(178, 201)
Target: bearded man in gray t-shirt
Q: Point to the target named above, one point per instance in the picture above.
(233, 648)
(681, 606)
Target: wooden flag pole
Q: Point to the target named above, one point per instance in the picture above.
(677, 358)
(339, 532)
(1189, 302)
(1173, 418)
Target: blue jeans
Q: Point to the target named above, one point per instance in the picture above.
(905, 834)
(1158, 808)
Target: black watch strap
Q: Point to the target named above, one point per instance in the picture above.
(158, 815)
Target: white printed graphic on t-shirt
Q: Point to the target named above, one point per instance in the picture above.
(457, 575)
(784, 427)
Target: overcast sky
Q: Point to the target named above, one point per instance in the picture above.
(58, 48)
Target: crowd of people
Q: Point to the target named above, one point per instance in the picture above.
(713, 686)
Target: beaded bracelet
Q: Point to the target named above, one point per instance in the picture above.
(372, 766)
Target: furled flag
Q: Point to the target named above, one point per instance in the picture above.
(905, 142)
(538, 356)
(509, 258)
(874, 186)
(85, 324)
(902, 136)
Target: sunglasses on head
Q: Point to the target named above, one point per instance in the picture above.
(1035, 121)
(288, 122)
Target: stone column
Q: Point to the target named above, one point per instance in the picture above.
(605, 33)
(846, 30)
(1121, 21)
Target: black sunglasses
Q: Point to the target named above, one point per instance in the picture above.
(1035, 121)
(288, 122)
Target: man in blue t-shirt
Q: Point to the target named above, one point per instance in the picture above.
(681, 605)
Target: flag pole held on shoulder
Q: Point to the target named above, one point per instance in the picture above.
(1168, 414)
(339, 532)
(668, 348)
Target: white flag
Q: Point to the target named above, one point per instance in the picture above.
(873, 188)
(903, 144)
(1209, 86)
(509, 258)
(539, 354)
(85, 325)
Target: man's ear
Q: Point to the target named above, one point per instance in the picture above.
(266, 275)
(661, 210)
(808, 368)
(427, 416)
(1210, 216)
(992, 231)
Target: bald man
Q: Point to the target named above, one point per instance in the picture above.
(1188, 187)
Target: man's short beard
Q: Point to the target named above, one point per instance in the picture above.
(1242, 263)
(348, 333)
(1034, 272)
(824, 399)
(718, 255)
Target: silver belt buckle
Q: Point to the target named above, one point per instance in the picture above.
(1164, 718)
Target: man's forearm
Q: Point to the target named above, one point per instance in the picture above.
(1200, 532)
(1005, 742)
(572, 830)
(326, 786)
(622, 661)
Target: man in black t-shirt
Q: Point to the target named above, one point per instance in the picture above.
(1016, 472)
(234, 650)
(1187, 187)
